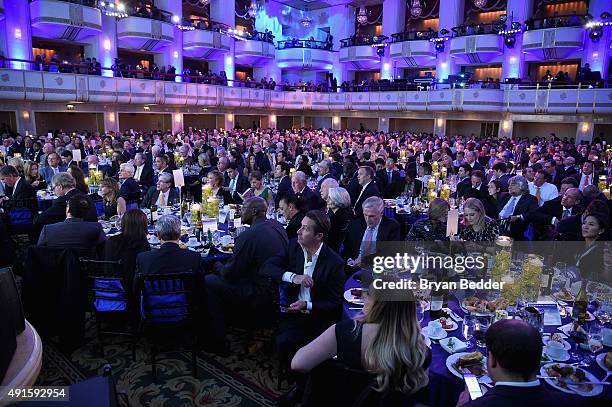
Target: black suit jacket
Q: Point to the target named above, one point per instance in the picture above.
(569, 229)
(508, 396)
(130, 191)
(72, 233)
(390, 190)
(326, 176)
(152, 195)
(370, 190)
(463, 186)
(242, 184)
(284, 188)
(57, 211)
(525, 205)
(170, 258)
(328, 276)
(264, 239)
(22, 195)
(339, 222)
(294, 225)
(478, 166)
(416, 190)
(388, 230)
(146, 176)
(310, 198)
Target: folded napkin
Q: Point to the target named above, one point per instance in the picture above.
(459, 346)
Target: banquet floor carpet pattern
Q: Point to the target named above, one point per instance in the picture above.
(246, 378)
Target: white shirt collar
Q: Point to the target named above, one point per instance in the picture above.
(315, 256)
(533, 383)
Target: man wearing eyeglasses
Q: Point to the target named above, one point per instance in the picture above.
(162, 194)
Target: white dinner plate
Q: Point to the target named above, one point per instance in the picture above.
(562, 358)
(600, 362)
(597, 389)
(452, 359)
(351, 298)
(566, 344)
(443, 334)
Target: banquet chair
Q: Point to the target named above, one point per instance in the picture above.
(109, 299)
(20, 215)
(168, 308)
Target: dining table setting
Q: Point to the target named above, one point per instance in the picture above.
(576, 358)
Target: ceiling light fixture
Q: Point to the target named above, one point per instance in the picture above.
(416, 8)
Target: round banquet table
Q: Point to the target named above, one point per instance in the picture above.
(444, 387)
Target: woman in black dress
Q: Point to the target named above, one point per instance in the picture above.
(339, 212)
(113, 203)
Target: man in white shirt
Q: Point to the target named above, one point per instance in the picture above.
(162, 194)
(542, 190)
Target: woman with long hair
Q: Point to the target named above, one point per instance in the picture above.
(250, 165)
(594, 232)
(32, 175)
(385, 341)
(113, 203)
(215, 182)
(477, 226)
(258, 188)
(79, 177)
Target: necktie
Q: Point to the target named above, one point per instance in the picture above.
(232, 185)
(162, 199)
(368, 243)
(566, 213)
(389, 176)
(586, 181)
(538, 195)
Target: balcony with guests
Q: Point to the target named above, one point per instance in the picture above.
(254, 48)
(363, 52)
(413, 48)
(205, 39)
(305, 54)
(145, 28)
(476, 43)
(65, 20)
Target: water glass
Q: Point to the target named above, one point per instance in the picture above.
(481, 325)
(420, 310)
(467, 329)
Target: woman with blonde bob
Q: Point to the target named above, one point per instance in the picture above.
(384, 342)
(477, 226)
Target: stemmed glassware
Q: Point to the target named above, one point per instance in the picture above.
(467, 329)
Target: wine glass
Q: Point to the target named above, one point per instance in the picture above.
(481, 325)
(467, 329)
(420, 310)
(578, 335)
(595, 342)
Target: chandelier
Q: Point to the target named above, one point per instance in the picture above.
(253, 9)
(204, 3)
(480, 3)
(416, 8)
(306, 21)
(362, 15)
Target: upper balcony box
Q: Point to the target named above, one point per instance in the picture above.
(255, 51)
(361, 52)
(473, 49)
(413, 48)
(205, 44)
(144, 34)
(63, 20)
(553, 43)
(304, 54)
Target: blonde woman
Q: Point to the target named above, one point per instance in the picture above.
(477, 226)
(32, 175)
(385, 342)
(18, 163)
(113, 203)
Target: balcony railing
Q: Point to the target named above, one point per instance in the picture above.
(414, 35)
(363, 40)
(477, 29)
(555, 22)
(153, 14)
(294, 43)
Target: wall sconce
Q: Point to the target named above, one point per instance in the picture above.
(336, 120)
(107, 45)
(440, 122)
(273, 118)
(444, 65)
(26, 115)
(177, 117)
(70, 106)
(506, 125)
(512, 60)
(230, 117)
(146, 108)
(111, 117)
(17, 33)
(585, 127)
(175, 54)
(228, 60)
(205, 109)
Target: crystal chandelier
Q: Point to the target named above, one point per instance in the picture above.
(306, 21)
(416, 8)
(480, 3)
(362, 15)
(253, 9)
(204, 3)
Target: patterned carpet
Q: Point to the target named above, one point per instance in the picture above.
(246, 378)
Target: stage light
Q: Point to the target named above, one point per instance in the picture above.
(380, 51)
(510, 41)
(440, 46)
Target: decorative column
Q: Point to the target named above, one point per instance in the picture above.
(383, 124)
(451, 15)
(177, 122)
(223, 11)
(439, 126)
(18, 39)
(598, 53)
(342, 25)
(228, 121)
(26, 122)
(173, 53)
(394, 20)
(584, 132)
(506, 128)
(336, 123)
(514, 65)
(111, 122)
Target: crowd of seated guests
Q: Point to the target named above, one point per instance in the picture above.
(333, 226)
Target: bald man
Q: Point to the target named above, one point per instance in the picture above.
(239, 285)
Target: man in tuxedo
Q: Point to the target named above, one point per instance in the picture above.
(74, 232)
(18, 191)
(281, 173)
(569, 169)
(514, 350)
(28, 149)
(313, 278)
(261, 161)
(365, 176)
(129, 190)
(389, 179)
(470, 158)
(587, 175)
(64, 188)
(143, 174)
(169, 258)
(161, 164)
(53, 167)
(336, 165)
(516, 205)
(500, 169)
(555, 174)
(292, 209)
(546, 218)
(363, 233)
(163, 194)
(239, 285)
(465, 182)
(235, 181)
(67, 159)
(301, 190)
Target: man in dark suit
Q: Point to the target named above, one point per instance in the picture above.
(74, 232)
(93, 164)
(324, 173)
(18, 191)
(366, 178)
(261, 161)
(163, 187)
(53, 167)
(282, 171)
(129, 190)
(67, 159)
(411, 184)
(336, 165)
(64, 188)
(569, 168)
(470, 159)
(516, 206)
(513, 361)
(292, 209)
(170, 258)
(301, 190)
(143, 173)
(313, 274)
(553, 211)
(555, 174)
(235, 181)
(389, 180)
(363, 233)
(239, 285)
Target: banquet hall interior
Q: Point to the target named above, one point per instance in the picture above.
(306, 203)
